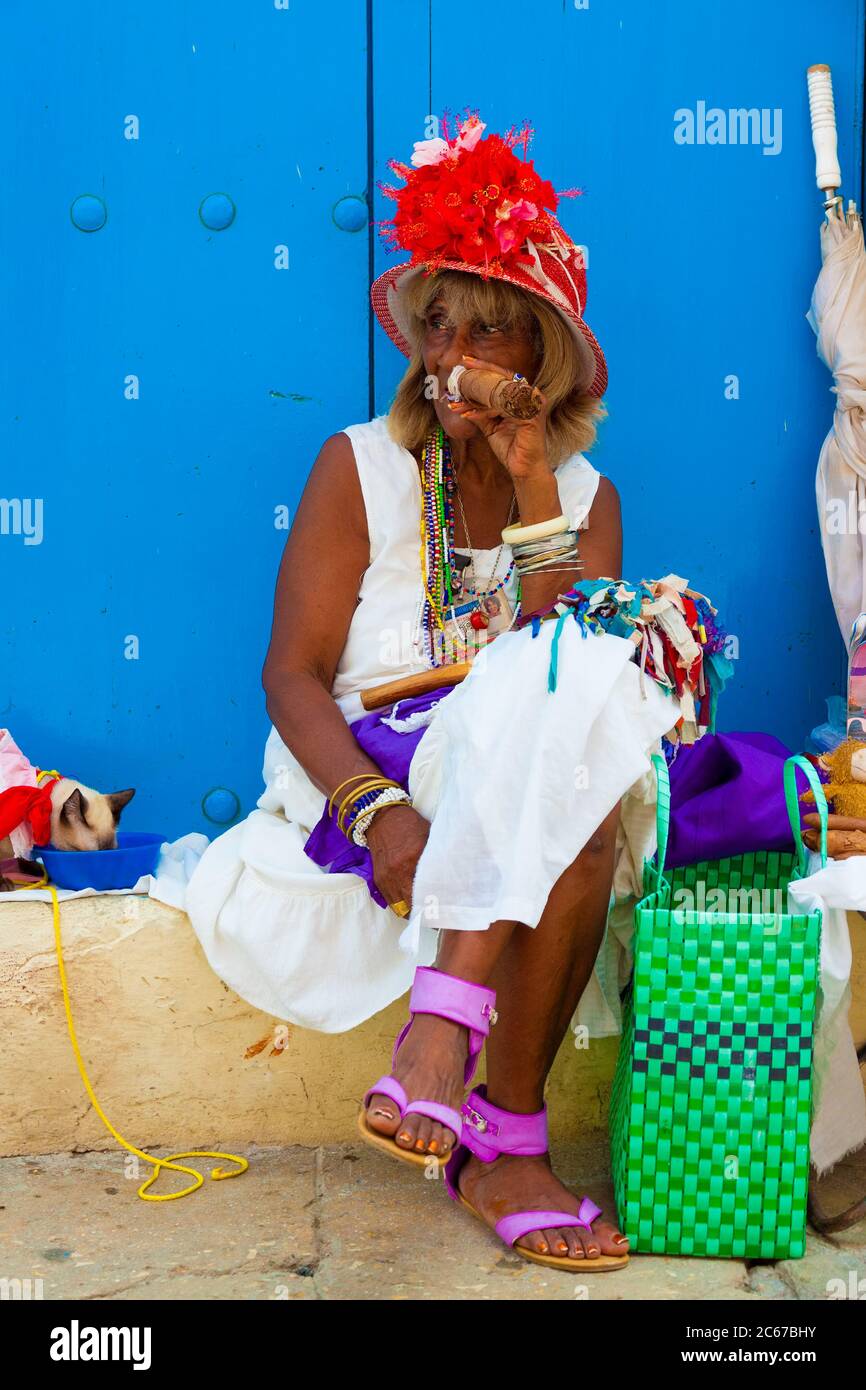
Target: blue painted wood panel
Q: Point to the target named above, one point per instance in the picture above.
(702, 260)
(159, 511)
(167, 384)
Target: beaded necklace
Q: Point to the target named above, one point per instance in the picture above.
(439, 567)
(437, 534)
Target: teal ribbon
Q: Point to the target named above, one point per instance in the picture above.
(553, 669)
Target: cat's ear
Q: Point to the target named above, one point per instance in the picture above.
(117, 801)
(74, 809)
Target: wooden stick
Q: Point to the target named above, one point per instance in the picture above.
(406, 686)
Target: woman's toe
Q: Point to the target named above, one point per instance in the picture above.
(407, 1132)
(423, 1134)
(434, 1143)
(556, 1239)
(447, 1142)
(536, 1241)
(383, 1115)
(572, 1238)
(604, 1238)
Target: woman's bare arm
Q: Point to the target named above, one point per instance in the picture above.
(599, 547)
(326, 554)
(324, 559)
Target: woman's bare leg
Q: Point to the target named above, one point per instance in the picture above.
(431, 1061)
(539, 978)
(539, 974)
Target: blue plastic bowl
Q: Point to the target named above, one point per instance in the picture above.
(136, 854)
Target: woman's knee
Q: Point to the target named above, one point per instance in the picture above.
(601, 844)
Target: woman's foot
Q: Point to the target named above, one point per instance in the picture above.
(430, 1066)
(513, 1183)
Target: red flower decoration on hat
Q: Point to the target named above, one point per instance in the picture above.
(472, 199)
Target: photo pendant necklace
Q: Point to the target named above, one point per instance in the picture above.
(488, 609)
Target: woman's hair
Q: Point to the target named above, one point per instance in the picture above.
(564, 373)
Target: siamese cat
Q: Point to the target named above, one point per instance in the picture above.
(81, 819)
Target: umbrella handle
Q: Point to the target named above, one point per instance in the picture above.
(828, 175)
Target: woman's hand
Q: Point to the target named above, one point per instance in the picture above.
(519, 445)
(395, 839)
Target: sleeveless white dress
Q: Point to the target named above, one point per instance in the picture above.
(513, 778)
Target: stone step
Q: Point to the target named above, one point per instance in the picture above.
(176, 1058)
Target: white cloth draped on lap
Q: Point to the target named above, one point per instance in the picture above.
(514, 778)
(524, 776)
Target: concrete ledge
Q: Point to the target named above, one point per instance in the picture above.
(176, 1058)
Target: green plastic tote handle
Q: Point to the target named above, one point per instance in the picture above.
(663, 812)
(793, 804)
(663, 808)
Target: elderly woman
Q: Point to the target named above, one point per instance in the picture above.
(512, 807)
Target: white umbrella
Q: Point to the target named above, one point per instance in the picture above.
(838, 317)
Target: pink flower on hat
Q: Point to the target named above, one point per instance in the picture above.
(435, 150)
(470, 133)
(508, 217)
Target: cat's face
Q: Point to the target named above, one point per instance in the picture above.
(87, 819)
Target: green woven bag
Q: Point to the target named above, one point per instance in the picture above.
(712, 1095)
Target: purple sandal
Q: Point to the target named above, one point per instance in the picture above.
(488, 1132)
(434, 992)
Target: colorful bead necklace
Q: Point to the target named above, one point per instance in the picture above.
(486, 592)
(440, 565)
(437, 534)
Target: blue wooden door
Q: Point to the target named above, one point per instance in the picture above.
(187, 255)
(185, 272)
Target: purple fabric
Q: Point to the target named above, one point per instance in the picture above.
(727, 795)
(392, 752)
(727, 798)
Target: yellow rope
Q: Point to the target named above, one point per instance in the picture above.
(158, 1163)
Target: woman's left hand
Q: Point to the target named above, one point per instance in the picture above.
(520, 445)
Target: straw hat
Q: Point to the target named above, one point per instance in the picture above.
(472, 204)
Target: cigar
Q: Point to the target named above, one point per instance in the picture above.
(841, 844)
(835, 822)
(519, 400)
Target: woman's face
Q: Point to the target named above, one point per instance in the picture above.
(443, 346)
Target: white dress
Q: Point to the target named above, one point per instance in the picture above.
(513, 778)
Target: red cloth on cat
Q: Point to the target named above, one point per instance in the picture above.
(32, 804)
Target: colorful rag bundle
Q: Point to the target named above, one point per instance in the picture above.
(25, 798)
(678, 642)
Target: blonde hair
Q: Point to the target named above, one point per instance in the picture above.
(564, 373)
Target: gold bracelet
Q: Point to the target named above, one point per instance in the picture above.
(356, 777)
(369, 784)
(374, 784)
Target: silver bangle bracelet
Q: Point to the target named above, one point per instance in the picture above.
(563, 540)
(549, 560)
(554, 569)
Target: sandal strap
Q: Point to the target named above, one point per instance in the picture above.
(460, 1001)
(389, 1086)
(512, 1228)
(434, 992)
(489, 1131)
(434, 1111)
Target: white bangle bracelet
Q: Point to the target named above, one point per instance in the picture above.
(539, 531)
(389, 797)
